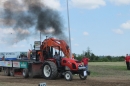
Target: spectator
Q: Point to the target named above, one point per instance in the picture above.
(85, 61)
(127, 60)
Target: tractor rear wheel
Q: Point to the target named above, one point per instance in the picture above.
(25, 73)
(68, 76)
(7, 71)
(49, 70)
(11, 71)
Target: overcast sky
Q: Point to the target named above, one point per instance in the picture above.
(101, 25)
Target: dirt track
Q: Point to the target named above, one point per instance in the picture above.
(91, 81)
(102, 74)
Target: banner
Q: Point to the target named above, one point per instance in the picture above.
(23, 65)
(2, 63)
(8, 63)
(16, 64)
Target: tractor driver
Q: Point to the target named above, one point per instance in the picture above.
(57, 57)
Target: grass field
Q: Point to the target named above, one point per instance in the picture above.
(109, 69)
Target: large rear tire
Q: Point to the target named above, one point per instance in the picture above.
(49, 70)
(68, 76)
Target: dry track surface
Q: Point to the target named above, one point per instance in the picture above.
(116, 79)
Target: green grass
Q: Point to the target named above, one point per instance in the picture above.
(108, 69)
(93, 73)
(121, 68)
(108, 63)
(1, 83)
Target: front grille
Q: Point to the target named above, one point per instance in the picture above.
(73, 66)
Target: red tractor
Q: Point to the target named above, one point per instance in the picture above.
(51, 67)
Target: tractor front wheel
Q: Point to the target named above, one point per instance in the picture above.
(68, 76)
(82, 77)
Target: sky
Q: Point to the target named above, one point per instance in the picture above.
(101, 25)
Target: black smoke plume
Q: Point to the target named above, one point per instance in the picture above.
(27, 14)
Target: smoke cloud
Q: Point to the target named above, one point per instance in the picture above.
(24, 15)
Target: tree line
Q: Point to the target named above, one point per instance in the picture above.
(94, 58)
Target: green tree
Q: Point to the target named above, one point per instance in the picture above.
(109, 58)
(94, 58)
(88, 53)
